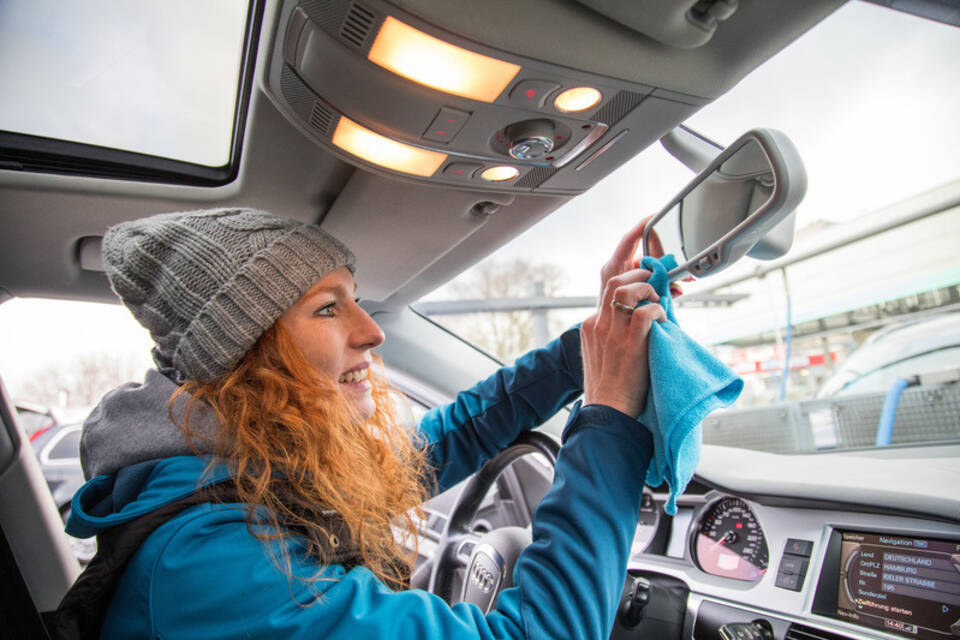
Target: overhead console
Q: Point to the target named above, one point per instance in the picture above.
(385, 90)
(385, 86)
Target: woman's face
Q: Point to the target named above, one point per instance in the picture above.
(336, 335)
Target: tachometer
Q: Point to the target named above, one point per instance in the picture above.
(729, 541)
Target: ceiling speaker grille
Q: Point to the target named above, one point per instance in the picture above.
(306, 104)
(535, 177)
(618, 106)
(325, 14)
(298, 94)
(356, 26)
(321, 118)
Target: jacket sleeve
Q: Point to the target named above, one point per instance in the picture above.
(568, 581)
(484, 419)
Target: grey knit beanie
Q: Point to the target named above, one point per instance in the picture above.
(207, 284)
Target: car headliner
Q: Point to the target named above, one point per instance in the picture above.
(409, 236)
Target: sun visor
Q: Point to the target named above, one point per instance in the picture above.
(373, 216)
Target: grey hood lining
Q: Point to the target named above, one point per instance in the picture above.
(132, 424)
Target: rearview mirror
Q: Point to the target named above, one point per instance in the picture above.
(746, 191)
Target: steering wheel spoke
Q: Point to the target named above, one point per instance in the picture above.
(458, 544)
(465, 547)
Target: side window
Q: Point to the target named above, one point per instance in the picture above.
(409, 411)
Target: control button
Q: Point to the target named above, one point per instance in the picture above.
(789, 581)
(463, 170)
(532, 93)
(795, 565)
(799, 547)
(446, 125)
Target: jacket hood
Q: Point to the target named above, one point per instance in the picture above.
(136, 459)
(132, 425)
(134, 491)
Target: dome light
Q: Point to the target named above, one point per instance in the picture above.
(577, 99)
(500, 173)
(439, 65)
(375, 148)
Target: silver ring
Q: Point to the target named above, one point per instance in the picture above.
(619, 306)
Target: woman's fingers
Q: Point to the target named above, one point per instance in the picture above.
(625, 255)
(628, 296)
(614, 340)
(643, 319)
(604, 307)
(654, 244)
(623, 258)
(629, 244)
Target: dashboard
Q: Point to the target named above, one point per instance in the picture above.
(877, 556)
(802, 573)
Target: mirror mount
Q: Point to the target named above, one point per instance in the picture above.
(741, 196)
(693, 149)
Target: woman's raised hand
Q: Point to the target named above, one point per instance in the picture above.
(614, 340)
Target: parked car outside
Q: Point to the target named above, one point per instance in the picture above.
(34, 418)
(58, 451)
(903, 350)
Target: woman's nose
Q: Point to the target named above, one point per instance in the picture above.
(367, 333)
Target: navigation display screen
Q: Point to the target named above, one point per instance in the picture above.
(902, 585)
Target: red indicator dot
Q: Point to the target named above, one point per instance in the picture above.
(440, 133)
(459, 172)
(449, 119)
(531, 93)
(739, 525)
(559, 137)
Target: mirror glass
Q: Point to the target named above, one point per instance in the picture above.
(727, 196)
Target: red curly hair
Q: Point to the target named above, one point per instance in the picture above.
(295, 445)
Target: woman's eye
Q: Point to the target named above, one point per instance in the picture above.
(326, 310)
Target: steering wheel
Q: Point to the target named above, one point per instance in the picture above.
(488, 558)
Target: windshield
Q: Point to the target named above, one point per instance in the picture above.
(869, 98)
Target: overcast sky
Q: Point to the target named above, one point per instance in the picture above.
(870, 98)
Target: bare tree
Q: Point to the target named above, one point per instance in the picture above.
(504, 334)
(80, 382)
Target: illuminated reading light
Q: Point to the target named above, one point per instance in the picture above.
(385, 152)
(438, 64)
(499, 174)
(577, 99)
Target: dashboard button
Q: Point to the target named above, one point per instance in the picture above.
(799, 547)
(795, 565)
(789, 581)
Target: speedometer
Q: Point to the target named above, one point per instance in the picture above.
(729, 541)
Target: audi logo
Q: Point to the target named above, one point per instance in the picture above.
(482, 578)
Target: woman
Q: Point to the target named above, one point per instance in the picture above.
(264, 386)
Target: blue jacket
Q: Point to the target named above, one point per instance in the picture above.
(203, 575)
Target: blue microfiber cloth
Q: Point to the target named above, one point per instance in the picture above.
(686, 383)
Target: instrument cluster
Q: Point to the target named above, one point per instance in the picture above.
(723, 537)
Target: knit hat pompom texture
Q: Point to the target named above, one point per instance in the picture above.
(207, 284)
